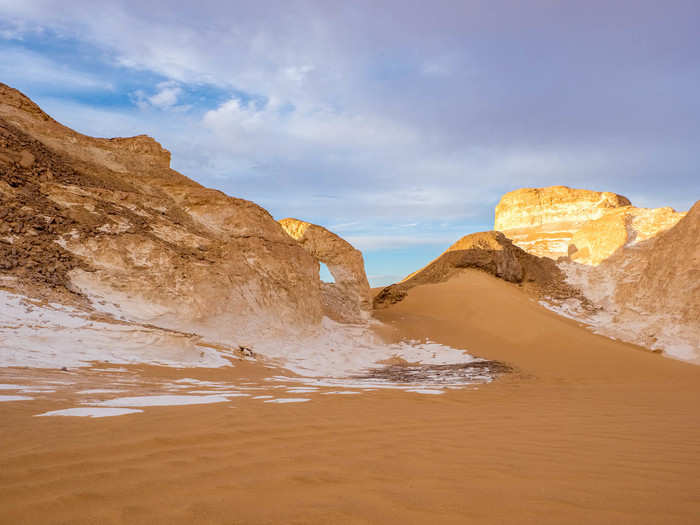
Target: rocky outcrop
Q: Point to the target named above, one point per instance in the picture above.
(491, 252)
(348, 299)
(649, 293)
(105, 223)
(589, 226)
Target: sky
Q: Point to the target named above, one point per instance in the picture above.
(396, 124)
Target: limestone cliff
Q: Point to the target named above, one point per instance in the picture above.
(346, 300)
(105, 223)
(588, 226)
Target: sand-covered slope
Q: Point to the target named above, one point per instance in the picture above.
(585, 430)
(106, 224)
(492, 253)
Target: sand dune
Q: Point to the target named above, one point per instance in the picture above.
(585, 430)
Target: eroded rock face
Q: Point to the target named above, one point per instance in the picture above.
(348, 299)
(589, 226)
(108, 223)
(638, 268)
(493, 253)
(649, 293)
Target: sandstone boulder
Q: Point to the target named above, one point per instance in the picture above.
(598, 239)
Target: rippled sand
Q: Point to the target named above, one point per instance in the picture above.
(582, 430)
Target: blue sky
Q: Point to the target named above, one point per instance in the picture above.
(397, 125)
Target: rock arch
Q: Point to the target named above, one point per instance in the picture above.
(348, 299)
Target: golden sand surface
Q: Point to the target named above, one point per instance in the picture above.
(584, 430)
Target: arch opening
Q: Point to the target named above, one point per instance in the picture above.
(325, 274)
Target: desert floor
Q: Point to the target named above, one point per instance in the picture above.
(584, 430)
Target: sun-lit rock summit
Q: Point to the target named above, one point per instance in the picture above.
(586, 225)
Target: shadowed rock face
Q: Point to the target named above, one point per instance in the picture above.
(106, 223)
(588, 226)
(493, 253)
(346, 300)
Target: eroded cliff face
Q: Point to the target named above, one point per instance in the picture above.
(589, 226)
(106, 224)
(348, 299)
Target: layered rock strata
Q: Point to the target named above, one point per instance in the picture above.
(587, 226)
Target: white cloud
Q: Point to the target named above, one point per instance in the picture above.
(316, 126)
(167, 96)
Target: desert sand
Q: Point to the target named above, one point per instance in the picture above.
(585, 429)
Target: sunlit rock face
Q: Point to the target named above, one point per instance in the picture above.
(107, 223)
(600, 238)
(638, 268)
(348, 299)
(589, 226)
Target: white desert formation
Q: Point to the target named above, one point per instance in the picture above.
(348, 298)
(639, 268)
(106, 226)
(587, 225)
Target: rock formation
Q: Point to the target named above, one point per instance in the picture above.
(589, 226)
(106, 224)
(649, 293)
(348, 299)
(600, 238)
(493, 253)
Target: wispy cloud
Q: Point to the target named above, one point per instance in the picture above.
(398, 127)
